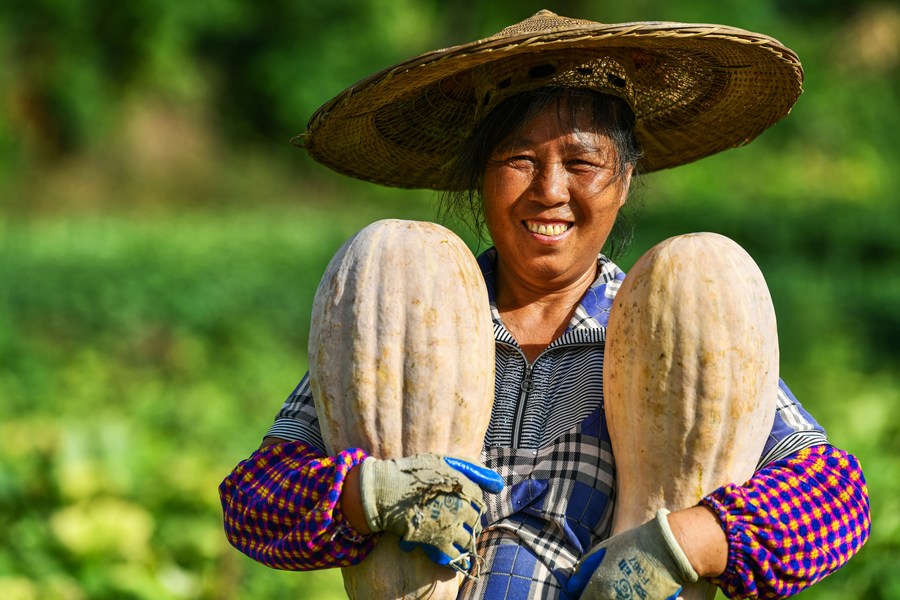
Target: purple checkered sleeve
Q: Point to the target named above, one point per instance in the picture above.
(796, 521)
(282, 508)
(800, 517)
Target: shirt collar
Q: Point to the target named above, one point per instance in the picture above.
(593, 308)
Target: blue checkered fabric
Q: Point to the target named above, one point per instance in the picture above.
(547, 437)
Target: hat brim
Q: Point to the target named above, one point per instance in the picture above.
(697, 89)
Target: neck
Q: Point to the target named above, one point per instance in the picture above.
(514, 292)
(536, 313)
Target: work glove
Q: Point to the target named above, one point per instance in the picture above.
(431, 502)
(645, 562)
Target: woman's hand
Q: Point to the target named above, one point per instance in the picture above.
(644, 562)
(430, 501)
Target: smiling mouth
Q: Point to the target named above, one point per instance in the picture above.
(547, 229)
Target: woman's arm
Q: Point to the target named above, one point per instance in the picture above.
(351, 502)
(776, 532)
(283, 507)
(795, 521)
(700, 535)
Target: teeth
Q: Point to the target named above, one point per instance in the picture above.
(547, 229)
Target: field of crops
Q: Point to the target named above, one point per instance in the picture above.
(161, 241)
(140, 359)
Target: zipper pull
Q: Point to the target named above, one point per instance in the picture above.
(527, 383)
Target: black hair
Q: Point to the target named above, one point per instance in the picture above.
(611, 116)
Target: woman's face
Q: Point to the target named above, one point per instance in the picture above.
(551, 196)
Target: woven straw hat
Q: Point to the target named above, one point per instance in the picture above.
(695, 89)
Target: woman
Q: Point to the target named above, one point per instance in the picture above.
(542, 129)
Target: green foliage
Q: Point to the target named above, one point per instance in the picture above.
(161, 242)
(140, 361)
(262, 69)
(75, 64)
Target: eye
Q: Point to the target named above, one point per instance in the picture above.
(583, 164)
(589, 161)
(519, 161)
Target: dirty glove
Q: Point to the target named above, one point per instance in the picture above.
(644, 562)
(431, 502)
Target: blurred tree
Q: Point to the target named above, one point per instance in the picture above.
(262, 69)
(117, 333)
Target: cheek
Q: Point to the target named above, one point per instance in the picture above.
(601, 223)
(497, 199)
(612, 212)
(604, 210)
(614, 200)
(494, 181)
(492, 216)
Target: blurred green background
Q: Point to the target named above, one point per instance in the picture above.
(160, 243)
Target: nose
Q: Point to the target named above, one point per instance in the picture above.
(551, 185)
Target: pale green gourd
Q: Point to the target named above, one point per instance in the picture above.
(401, 359)
(690, 377)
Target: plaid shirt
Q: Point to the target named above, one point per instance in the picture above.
(547, 437)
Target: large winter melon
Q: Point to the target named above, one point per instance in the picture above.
(690, 376)
(401, 354)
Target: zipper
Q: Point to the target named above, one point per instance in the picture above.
(526, 385)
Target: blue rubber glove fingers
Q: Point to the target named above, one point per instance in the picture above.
(436, 556)
(644, 562)
(427, 503)
(582, 575)
(487, 479)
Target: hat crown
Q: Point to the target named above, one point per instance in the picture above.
(543, 21)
